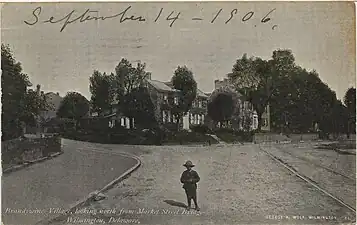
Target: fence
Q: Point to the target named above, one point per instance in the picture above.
(20, 150)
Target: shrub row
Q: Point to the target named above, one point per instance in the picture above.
(225, 134)
(185, 137)
(116, 136)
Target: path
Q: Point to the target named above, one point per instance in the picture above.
(60, 182)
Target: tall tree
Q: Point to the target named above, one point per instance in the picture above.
(221, 108)
(102, 91)
(19, 105)
(183, 81)
(73, 106)
(295, 102)
(257, 79)
(350, 102)
(126, 79)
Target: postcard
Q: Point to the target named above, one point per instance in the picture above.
(178, 113)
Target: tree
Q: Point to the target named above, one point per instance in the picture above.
(296, 101)
(126, 79)
(35, 103)
(339, 118)
(221, 108)
(19, 105)
(257, 79)
(350, 102)
(73, 106)
(140, 107)
(183, 81)
(102, 91)
(247, 121)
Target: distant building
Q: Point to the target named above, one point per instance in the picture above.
(243, 107)
(164, 96)
(54, 101)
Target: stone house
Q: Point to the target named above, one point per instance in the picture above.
(164, 96)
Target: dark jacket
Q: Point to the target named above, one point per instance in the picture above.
(189, 179)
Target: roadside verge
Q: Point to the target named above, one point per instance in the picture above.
(31, 162)
(93, 195)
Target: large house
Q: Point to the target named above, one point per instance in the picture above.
(164, 96)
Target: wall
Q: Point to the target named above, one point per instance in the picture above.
(20, 150)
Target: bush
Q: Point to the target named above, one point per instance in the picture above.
(117, 135)
(185, 137)
(233, 136)
(201, 128)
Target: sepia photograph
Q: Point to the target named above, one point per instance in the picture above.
(178, 113)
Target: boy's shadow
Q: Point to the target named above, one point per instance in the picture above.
(175, 203)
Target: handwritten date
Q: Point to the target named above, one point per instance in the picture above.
(127, 15)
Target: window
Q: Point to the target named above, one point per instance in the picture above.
(265, 122)
(169, 116)
(203, 118)
(191, 118)
(176, 100)
(165, 98)
(198, 119)
(199, 103)
(255, 122)
(163, 116)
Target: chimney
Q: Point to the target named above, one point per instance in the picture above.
(149, 76)
(38, 88)
(57, 93)
(216, 84)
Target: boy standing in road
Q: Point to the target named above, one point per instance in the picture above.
(190, 178)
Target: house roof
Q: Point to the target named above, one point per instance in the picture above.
(201, 93)
(167, 86)
(161, 86)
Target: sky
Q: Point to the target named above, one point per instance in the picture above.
(321, 36)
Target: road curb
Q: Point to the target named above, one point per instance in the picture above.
(124, 175)
(31, 162)
(92, 196)
(345, 152)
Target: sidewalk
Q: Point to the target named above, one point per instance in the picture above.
(239, 185)
(59, 182)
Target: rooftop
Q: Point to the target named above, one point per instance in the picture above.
(166, 86)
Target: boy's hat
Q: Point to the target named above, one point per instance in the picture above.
(188, 164)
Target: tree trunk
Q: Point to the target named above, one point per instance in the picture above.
(132, 125)
(259, 121)
(348, 129)
(178, 123)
